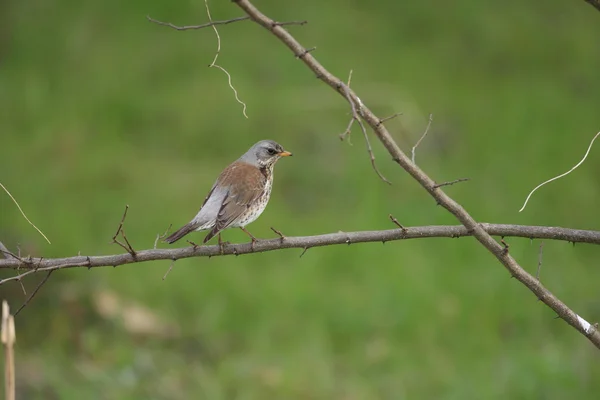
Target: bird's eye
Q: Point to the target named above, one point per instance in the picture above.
(271, 151)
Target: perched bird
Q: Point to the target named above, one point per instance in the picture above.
(239, 195)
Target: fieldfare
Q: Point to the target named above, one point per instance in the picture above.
(239, 195)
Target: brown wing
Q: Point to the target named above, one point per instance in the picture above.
(243, 184)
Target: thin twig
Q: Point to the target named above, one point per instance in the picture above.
(382, 120)
(35, 291)
(121, 230)
(22, 213)
(185, 28)
(421, 138)
(160, 237)
(561, 175)
(169, 270)
(438, 185)
(357, 118)
(539, 267)
(214, 62)
(290, 23)
(398, 224)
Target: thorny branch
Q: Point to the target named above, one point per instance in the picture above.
(424, 180)
(34, 265)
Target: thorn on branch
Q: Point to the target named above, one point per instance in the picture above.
(305, 52)
(382, 120)
(121, 230)
(304, 251)
(42, 282)
(185, 28)
(169, 270)
(278, 233)
(421, 138)
(505, 249)
(449, 183)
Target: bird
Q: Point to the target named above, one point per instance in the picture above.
(239, 195)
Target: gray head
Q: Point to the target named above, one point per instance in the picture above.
(264, 154)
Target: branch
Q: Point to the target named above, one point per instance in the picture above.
(33, 265)
(185, 28)
(424, 180)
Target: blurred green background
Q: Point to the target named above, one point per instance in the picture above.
(100, 108)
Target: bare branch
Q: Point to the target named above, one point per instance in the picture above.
(121, 230)
(382, 120)
(421, 138)
(357, 118)
(34, 265)
(214, 64)
(169, 270)
(438, 185)
(23, 213)
(424, 180)
(35, 291)
(185, 28)
(398, 224)
(561, 175)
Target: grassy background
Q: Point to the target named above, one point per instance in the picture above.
(99, 108)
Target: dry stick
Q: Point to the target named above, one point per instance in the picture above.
(563, 174)
(43, 281)
(8, 339)
(428, 184)
(215, 65)
(357, 118)
(169, 270)
(450, 183)
(23, 214)
(382, 120)
(421, 138)
(185, 28)
(121, 230)
(34, 265)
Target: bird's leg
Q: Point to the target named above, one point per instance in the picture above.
(221, 244)
(254, 240)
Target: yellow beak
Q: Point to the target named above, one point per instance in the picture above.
(285, 154)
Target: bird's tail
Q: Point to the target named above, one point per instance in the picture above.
(184, 230)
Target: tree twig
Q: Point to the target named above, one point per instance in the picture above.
(42, 282)
(424, 180)
(23, 213)
(414, 149)
(188, 27)
(561, 175)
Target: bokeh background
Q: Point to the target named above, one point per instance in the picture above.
(100, 108)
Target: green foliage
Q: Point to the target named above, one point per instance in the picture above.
(100, 109)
